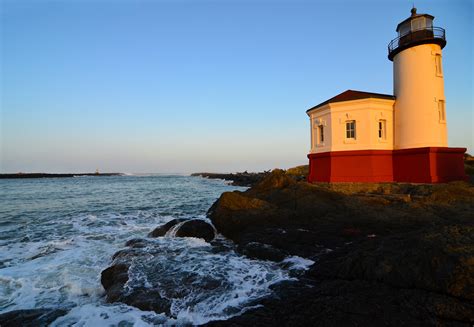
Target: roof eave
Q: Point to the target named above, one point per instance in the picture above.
(374, 96)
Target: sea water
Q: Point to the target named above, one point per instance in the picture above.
(58, 234)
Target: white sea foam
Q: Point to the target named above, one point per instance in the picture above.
(109, 315)
(298, 263)
(173, 230)
(202, 285)
(56, 236)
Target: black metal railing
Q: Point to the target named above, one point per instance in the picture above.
(436, 34)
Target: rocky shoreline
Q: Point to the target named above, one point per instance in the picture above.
(386, 254)
(245, 178)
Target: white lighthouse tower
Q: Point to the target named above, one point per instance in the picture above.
(371, 137)
(418, 83)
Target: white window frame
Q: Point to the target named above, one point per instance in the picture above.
(350, 132)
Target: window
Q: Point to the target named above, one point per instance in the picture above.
(441, 111)
(418, 24)
(321, 133)
(382, 130)
(404, 29)
(350, 129)
(439, 68)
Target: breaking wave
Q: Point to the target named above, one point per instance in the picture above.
(56, 236)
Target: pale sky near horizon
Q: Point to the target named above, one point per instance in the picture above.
(184, 86)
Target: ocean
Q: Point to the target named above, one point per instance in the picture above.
(58, 234)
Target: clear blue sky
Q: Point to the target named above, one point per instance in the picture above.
(182, 86)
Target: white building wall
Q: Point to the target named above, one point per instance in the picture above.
(418, 87)
(365, 112)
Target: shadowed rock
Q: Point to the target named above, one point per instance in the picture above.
(31, 318)
(115, 277)
(261, 251)
(189, 228)
(196, 228)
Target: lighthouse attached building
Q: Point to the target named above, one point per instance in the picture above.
(370, 137)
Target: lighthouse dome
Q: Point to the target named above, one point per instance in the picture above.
(415, 30)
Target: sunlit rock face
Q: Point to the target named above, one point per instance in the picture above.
(385, 253)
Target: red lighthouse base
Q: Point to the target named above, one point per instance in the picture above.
(417, 165)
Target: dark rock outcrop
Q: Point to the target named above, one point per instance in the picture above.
(386, 254)
(187, 228)
(31, 318)
(121, 287)
(196, 228)
(256, 250)
(115, 277)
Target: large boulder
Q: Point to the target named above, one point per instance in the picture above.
(113, 280)
(187, 228)
(196, 228)
(235, 211)
(163, 229)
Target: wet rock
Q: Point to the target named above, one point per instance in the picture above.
(116, 278)
(256, 250)
(136, 243)
(163, 229)
(31, 318)
(147, 300)
(196, 228)
(113, 279)
(128, 254)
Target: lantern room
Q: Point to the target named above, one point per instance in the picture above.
(416, 30)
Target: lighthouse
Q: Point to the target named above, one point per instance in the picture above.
(418, 83)
(361, 136)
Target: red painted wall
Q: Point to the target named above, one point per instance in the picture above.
(429, 165)
(418, 165)
(351, 166)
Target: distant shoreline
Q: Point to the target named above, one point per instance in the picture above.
(45, 175)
